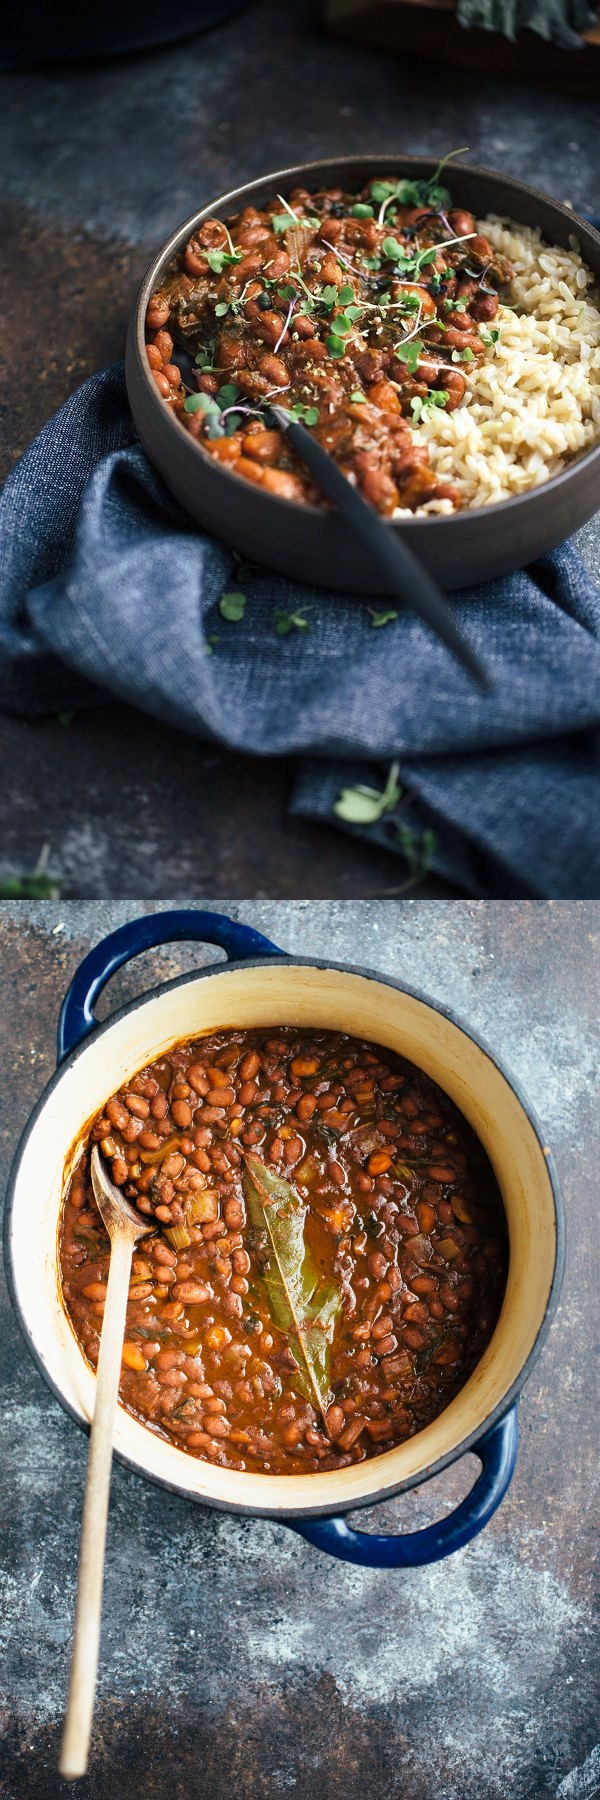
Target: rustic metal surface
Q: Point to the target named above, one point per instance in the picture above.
(234, 1657)
(99, 162)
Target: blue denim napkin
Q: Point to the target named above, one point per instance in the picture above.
(107, 590)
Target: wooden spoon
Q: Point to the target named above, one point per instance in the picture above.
(124, 1227)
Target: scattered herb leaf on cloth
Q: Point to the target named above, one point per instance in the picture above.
(365, 805)
(301, 1303)
(232, 607)
(289, 621)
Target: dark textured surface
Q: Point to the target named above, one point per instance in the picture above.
(234, 1657)
(99, 162)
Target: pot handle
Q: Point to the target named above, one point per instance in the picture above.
(498, 1454)
(76, 1013)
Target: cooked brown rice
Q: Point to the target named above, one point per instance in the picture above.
(534, 401)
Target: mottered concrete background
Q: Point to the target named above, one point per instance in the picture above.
(234, 1657)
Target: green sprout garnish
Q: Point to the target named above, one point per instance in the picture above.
(422, 404)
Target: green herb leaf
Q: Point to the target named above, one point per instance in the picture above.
(200, 403)
(344, 294)
(418, 850)
(462, 356)
(232, 607)
(282, 222)
(289, 621)
(361, 210)
(382, 618)
(365, 805)
(301, 1303)
(228, 393)
(221, 309)
(438, 197)
(308, 414)
(382, 190)
(329, 295)
(489, 337)
(335, 345)
(409, 354)
(394, 251)
(29, 887)
(421, 404)
(359, 398)
(411, 193)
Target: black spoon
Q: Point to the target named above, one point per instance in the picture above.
(405, 578)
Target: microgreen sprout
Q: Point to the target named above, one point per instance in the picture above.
(218, 259)
(422, 404)
(290, 621)
(281, 221)
(382, 618)
(308, 415)
(363, 805)
(232, 607)
(286, 324)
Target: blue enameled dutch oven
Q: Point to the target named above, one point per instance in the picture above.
(259, 985)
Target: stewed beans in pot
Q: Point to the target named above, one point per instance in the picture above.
(327, 1256)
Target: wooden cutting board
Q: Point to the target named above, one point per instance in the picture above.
(429, 28)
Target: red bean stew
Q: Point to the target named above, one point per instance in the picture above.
(356, 310)
(329, 1252)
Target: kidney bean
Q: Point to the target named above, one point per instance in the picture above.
(181, 1112)
(377, 1264)
(335, 1420)
(117, 1113)
(196, 1075)
(158, 312)
(217, 1427)
(159, 1106)
(234, 1214)
(199, 1440)
(119, 1170)
(193, 1292)
(247, 1092)
(413, 1336)
(137, 1105)
(250, 1065)
(382, 1325)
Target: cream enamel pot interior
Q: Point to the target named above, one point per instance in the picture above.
(267, 987)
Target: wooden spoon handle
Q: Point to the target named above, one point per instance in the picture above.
(86, 1638)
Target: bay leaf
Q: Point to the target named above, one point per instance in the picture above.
(302, 1303)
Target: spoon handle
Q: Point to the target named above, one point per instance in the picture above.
(86, 1638)
(405, 576)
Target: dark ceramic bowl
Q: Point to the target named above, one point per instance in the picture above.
(310, 543)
